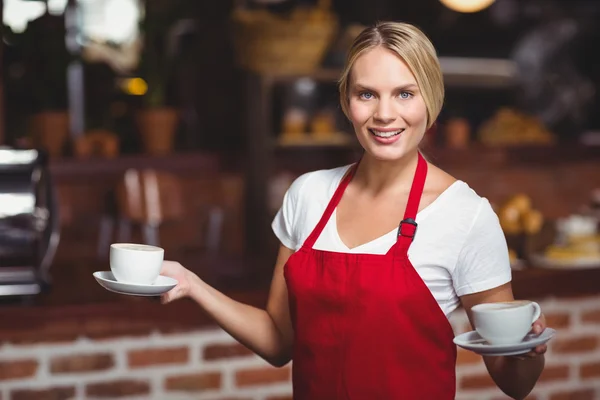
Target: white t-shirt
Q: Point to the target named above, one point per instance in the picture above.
(459, 247)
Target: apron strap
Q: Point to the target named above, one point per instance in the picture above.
(333, 203)
(408, 226)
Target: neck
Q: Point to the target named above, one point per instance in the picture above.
(377, 176)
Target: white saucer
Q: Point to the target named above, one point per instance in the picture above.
(162, 285)
(472, 341)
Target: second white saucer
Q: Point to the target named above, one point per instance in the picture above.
(475, 343)
(162, 285)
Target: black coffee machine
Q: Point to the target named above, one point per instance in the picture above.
(29, 222)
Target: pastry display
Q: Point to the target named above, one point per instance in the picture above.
(520, 222)
(323, 124)
(577, 244)
(517, 216)
(509, 127)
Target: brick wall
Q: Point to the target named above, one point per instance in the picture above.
(572, 363)
(208, 364)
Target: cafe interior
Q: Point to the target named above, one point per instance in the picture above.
(182, 123)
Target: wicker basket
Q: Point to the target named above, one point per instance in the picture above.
(297, 44)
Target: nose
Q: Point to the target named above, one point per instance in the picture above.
(384, 112)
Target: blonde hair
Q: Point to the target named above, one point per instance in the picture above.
(414, 48)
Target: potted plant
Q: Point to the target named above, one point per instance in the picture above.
(46, 63)
(158, 120)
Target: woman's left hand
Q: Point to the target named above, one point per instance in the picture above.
(538, 327)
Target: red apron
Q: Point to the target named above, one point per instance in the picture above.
(366, 326)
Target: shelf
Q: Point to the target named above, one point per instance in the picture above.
(67, 168)
(458, 72)
(518, 156)
(306, 140)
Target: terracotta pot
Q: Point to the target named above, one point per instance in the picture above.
(458, 133)
(97, 143)
(49, 131)
(157, 128)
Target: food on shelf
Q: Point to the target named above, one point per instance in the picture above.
(517, 216)
(533, 220)
(512, 256)
(577, 240)
(576, 226)
(322, 130)
(457, 132)
(294, 122)
(575, 251)
(509, 127)
(323, 124)
(509, 220)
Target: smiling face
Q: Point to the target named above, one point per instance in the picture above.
(385, 105)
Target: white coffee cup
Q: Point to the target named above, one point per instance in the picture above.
(135, 263)
(505, 322)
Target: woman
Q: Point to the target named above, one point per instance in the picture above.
(359, 303)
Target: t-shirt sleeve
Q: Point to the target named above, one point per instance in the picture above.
(284, 224)
(483, 262)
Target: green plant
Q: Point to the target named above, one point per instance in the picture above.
(159, 17)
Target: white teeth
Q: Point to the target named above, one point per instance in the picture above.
(386, 134)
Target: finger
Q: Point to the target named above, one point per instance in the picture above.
(538, 326)
(537, 351)
(165, 267)
(541, 349)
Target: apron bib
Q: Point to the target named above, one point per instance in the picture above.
(366, 326)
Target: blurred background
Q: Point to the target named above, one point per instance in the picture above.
(181, 123)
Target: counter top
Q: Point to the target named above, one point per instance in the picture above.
(62, 318)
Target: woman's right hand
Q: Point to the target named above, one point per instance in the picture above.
(184, 277)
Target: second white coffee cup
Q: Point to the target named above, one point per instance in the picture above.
(135, 263)
(505, 322)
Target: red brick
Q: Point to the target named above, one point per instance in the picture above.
(554, 373)
(558, 320)
(262, 376)
(230, 398)
(148, 357)
(467, 357)
(592, 317)
(55, 332)
(99, 329)
(194, 382)
(81, 363)
(591, 370)
(57, 393)
(530, 397)
(17, 369)
(220, 351)
(479, 381)
(577, 345)
(585, 394)
(118, 388)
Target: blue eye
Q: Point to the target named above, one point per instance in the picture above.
(405, 95)
(366, 95)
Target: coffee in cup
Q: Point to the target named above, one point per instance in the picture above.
(135, 263)
(505, 322)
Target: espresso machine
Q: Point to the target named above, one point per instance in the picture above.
(29, 222)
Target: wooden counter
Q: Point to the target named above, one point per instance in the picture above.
(64, 317)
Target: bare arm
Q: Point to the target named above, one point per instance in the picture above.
(266, 332)
(515, 376)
